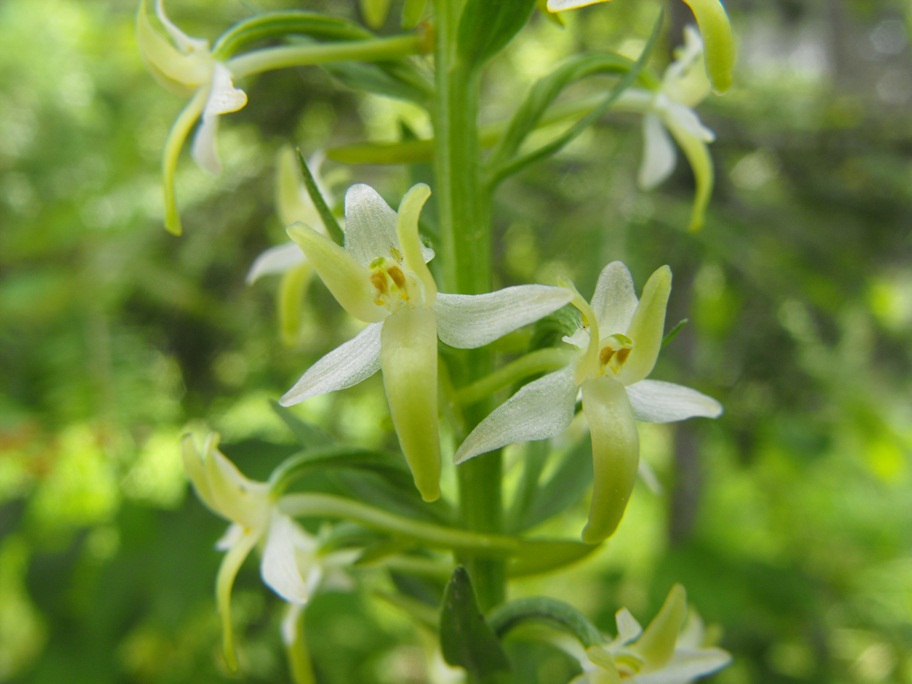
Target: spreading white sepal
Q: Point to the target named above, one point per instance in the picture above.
(543, 408)
(686, 666)
(275, 260)
(279, 568)
(471, 321)
(655, 401)
(659, 154)
(345, 366)
(561, 5)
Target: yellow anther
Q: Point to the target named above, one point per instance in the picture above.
(378, 280)
(614, 353)
(397, 276)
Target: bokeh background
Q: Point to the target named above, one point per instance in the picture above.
(789, 519)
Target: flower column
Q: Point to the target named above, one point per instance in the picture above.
(465, 227)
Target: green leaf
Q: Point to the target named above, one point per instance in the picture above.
(334, 457)
(308, 434)
(391, 79)
(394, 491)
(543, 556)
(506, 159)
(466, 639)
(412, 12)
(310, 183)
(545, 91)
(565, 487)
(673, 333)
(487, 27)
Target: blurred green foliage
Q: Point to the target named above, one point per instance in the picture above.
(789, 520)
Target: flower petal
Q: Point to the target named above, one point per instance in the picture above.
(347, 279)
(628, 627)
(685, 80)
(615, 455)
(657, 644)
(614, 300)
(223, 98)
(646, 327)
(279, 567)
(543, 408)
(720, 45)
(408, 356)
(686, 665)
(409, 240)
(471, 321)
(658, 153)
(345, 366)
(275, 260)
(228, 570)
(180, 129)
(292, 288)
(184, 42)
(697, 153)
(234, 496)
(684, 118)
(370, 225)
(186, 66)
(665, 402)
(561, 5)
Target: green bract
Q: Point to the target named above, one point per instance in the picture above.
(618, 343)
(381, 277)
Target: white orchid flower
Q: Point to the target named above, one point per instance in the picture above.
(714, 25)
(185, 64)
(292, 565)
(663, 653)
(669, 110)
(293, 205)
(618, 345)
(381, 277)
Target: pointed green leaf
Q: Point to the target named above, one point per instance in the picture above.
(487, 27)
(308, 434)
(565, 487)
(466, 639)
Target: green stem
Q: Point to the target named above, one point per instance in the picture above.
(465, 229)
(375, 50)
(539, 361)
(429, 534)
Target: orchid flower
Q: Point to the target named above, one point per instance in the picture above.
(714, 25)
(663, 653)
(186, 64)
(618, 345)
(293, 205)
(670, 110)
(292, 564)
(381, 277)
